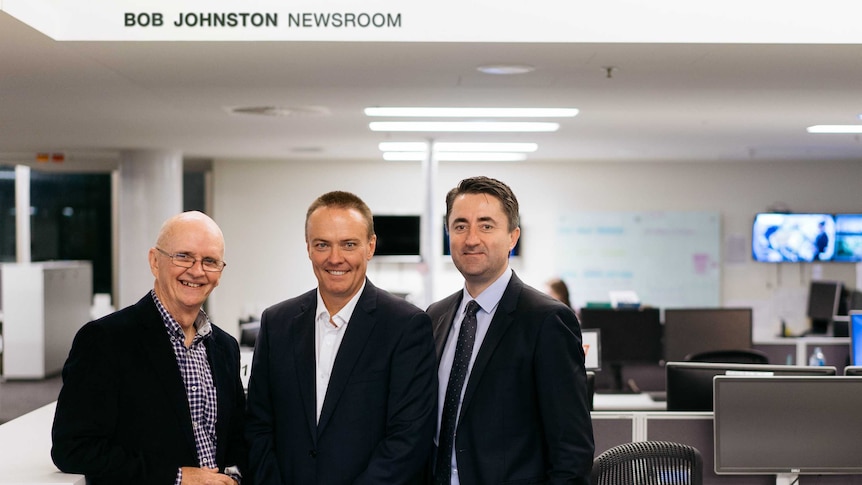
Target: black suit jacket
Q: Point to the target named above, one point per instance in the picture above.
(378, 417)
(524, 415)
(123, 416)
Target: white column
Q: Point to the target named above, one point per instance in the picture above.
(150, 191)
(22, 214)
(431, 235)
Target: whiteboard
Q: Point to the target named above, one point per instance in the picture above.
(670, 259)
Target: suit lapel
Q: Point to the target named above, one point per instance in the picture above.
(443, 325)
(161, 358)
(503, 318)
(355, 338)
(303, 337)
(219, 360)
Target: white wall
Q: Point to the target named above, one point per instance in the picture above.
(261, 206)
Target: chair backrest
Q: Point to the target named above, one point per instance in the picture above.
(591, 388)
(731, 356)
(648, 463)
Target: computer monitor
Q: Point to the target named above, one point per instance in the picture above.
(693, 330)
(824, 299)
(592, 348)
(855, 325)
(627, 336)
(689, 384)
(248, 333)
(787, 425)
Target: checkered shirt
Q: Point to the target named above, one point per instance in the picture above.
(197, 377)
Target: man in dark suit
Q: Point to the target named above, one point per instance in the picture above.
(513, 392)
(343, 386)
(152, 393)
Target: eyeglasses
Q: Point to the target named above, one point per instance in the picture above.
(183, 260)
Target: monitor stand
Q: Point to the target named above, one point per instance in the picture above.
(786, 478)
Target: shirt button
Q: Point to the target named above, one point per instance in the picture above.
(194, 388)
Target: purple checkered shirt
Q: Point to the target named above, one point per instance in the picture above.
(197, 377)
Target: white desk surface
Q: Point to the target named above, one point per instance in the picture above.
(626, 402)
(25, 451)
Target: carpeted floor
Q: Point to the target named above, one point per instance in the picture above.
(21, 397)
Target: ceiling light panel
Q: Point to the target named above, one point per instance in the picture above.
(835, 129)
(420, 112)
(455, 157)
(458, 147)
(465, 126)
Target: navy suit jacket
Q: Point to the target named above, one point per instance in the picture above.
(123, 416)
(524, 415)
(378, 417)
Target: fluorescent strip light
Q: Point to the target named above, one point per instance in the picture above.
(464, 126)
(836, 129)
(419, 146)
(473, 112)
(455, 157)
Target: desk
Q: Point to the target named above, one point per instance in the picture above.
(25, 451)
(626, 402)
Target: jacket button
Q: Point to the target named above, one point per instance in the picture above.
(312, 453)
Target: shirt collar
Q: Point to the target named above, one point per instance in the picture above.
(343, 315)
(492, 295)
(203, 327)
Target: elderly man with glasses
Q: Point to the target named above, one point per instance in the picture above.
(152, 393)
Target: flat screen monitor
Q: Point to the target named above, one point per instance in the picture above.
(824, 299)
(779, 237)
(627, 336)
(689, 384)
(853, 370)
(848, 238)
(398, 237)
(693, 330)
(592, 348)
(855, 325)
(787, 425)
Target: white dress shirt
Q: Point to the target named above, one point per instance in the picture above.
(328, 334)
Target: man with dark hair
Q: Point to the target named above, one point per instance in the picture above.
(342, 387)
(513, 402)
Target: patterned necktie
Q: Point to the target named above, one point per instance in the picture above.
(457, 376)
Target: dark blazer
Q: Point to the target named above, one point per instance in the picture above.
(123, 416)
(378, 417)
(524, 415)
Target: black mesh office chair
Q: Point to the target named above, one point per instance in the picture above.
(648, 463)
(732, 356)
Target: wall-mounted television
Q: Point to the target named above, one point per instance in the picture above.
(787, 426)
(398, 237)
(848, 238)
(780, 237)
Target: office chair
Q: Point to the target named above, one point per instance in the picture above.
(730, 356)
(648, 463)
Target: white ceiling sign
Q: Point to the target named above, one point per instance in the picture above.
(671, 21)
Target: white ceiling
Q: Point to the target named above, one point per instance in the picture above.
(663, 101)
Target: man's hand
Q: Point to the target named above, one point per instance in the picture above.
(205, 476)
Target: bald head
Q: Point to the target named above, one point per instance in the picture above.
(195, 221)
